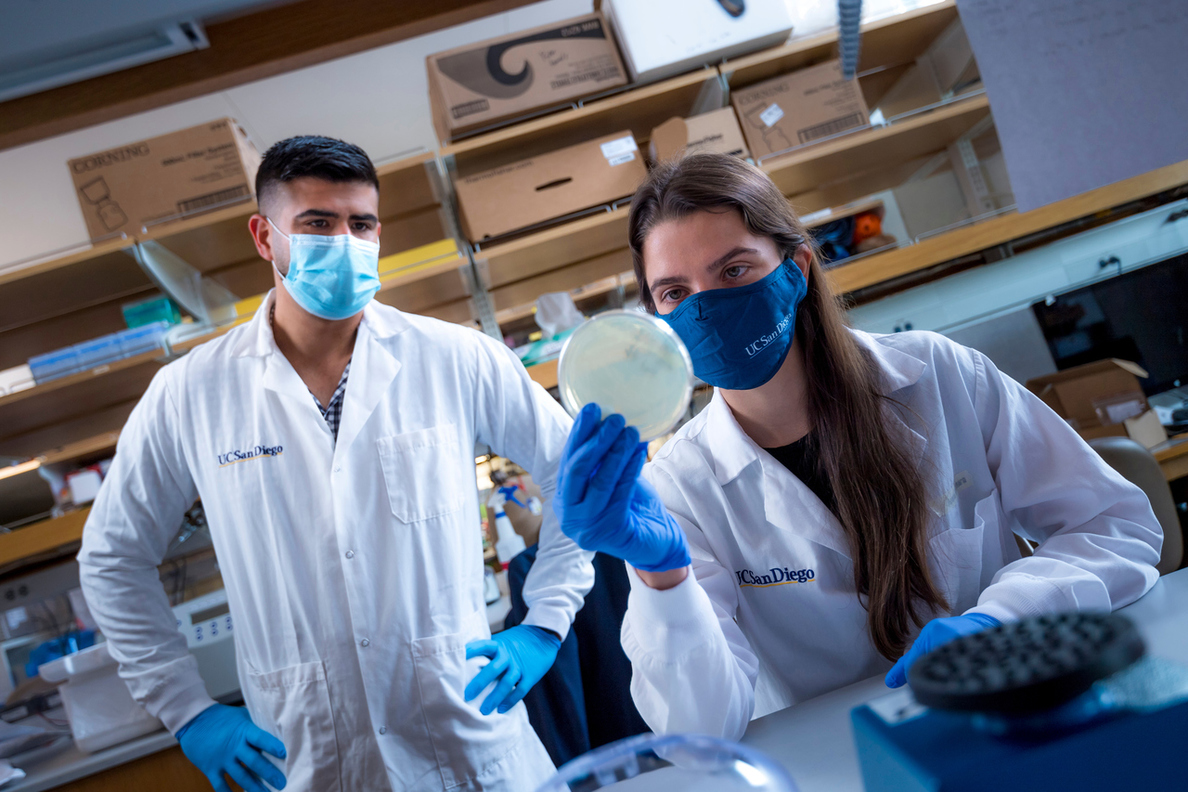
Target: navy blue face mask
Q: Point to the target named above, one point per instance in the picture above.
(739, 337)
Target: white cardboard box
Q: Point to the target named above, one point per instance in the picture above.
(660, 38)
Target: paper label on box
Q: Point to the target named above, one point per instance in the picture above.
(613, 149)
(619, 160)
(772, 114)
(1120, 411)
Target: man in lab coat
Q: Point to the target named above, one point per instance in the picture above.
(331, 440)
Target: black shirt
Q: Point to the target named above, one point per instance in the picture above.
(801, 459)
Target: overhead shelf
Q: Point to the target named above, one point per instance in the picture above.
(553, 248)
(58, 401)
(42, 540)
(978, 236)
(924, 133)
(639, 109)
(886, 43)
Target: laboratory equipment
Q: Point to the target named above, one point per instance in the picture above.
(98, 705)
(1137, 315)
(1058, 702)
(629, 363)
(686, 762)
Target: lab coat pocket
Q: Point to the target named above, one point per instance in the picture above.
(294, 705)
(464, 740)
(422, 472)
(957, 557)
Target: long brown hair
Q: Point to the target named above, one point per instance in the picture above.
(879, 489)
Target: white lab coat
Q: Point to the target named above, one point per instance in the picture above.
(353, 569)
(729, 644)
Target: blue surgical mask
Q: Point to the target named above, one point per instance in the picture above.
(333, 277)
(739, 337)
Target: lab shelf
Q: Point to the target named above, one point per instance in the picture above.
(545, 373)
(904, 260)
(88, 447)
(553, 248)
(66, 399)
(638, 109)
(923, 133)
(886, 43)
(42, 540)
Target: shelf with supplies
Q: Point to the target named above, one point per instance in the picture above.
(75, 406)
(886, 43)
(43, 540)
(1003, 228)
(635, 108)
(918, 135)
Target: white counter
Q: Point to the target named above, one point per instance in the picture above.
(814, 741)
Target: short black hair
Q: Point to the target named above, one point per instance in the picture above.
(316, 156)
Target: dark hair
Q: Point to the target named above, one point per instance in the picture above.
(316, 156)
(879, 489)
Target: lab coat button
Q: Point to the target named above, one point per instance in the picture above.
(383, 730)
(365, 642)
(350, 553)
(338, 469)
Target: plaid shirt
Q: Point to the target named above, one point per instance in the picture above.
(332, 412)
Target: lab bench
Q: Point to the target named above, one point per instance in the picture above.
(813, 739)
(150, 762)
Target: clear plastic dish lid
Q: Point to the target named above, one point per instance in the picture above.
(628, 363)
(684, 762)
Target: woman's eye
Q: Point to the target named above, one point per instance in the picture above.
(672, 295)
(734, 272)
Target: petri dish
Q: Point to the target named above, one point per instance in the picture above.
(685, 762)
(628, 363)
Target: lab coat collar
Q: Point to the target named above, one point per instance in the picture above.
(373, 366)
(376, 367)
(258, 341)
(900, 370)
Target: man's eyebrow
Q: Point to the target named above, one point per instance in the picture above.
(716, 265)
(370, 218)
(317, 213)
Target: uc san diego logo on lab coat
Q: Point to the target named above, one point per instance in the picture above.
(776, 576)
(258, 452)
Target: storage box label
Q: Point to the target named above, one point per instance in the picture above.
(772, 114)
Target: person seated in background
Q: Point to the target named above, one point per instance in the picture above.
(847, 501)
(584, 700)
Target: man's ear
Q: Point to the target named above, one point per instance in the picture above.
(262, 232)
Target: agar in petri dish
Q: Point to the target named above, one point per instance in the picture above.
(628, 363)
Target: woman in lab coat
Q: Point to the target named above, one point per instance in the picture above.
(841, 491)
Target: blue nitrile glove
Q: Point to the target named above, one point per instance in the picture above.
(519, 658)
(222, 740)
(937, 633)
(602, 503)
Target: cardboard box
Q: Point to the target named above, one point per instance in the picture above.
(184, 172)
(550, 185)
(661, 38)
(717, 131)
(799, 108)
(482, 84)
(1101, 399)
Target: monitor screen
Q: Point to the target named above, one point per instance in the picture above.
(1141, 315)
